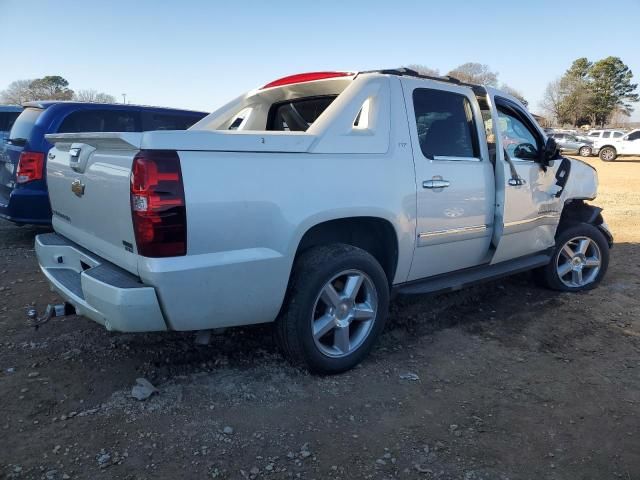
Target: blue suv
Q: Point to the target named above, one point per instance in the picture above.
(23, 185)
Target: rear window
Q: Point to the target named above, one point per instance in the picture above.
(7, 120)
(171, 121)
(24, 123)
(297, 115)
(101, 121)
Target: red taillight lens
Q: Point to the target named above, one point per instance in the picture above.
(306, 77)
(30, 167)
(157, 204)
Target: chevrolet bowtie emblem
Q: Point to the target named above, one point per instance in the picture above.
(77, 187)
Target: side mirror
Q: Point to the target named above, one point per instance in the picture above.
(526, 151)
(550, 151)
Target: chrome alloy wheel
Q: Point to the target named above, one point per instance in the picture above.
(579, 262)
(585, 152)
(607, 154)
(344, 313)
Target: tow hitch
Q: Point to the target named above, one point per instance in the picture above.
(57, 310)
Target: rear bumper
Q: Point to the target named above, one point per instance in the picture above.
(26, 206)
(98, 289)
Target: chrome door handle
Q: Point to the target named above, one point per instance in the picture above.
(435, 183)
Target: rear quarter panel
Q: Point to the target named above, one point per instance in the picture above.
(249, 228)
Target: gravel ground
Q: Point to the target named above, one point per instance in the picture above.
(500, 381)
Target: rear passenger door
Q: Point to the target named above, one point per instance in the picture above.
(454, 176)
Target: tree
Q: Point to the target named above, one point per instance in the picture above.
(424, 70)
(45, 88)
(611, 88)
(17, 92)
(553, 101)
(91, 95)
(475, 73)
(514, 93)
(51, 87)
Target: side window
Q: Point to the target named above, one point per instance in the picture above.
(634, 136)
(101, 121)
(7, 119)
(446, 127)
(606, 134)
(617, 134)
(594, 134)
(519, 138)
(168, 121)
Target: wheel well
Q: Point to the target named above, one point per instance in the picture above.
(576, 211)
(608, 146)
(374, 235)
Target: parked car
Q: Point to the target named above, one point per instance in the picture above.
(569, 143)
(611, 148)
(308, 202)
(23, 187)
(604, 134)
(8, 115)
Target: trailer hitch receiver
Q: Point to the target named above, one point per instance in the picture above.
(52, 310)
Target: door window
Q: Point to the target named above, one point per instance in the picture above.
(617, 134)
(634, 135)
(446, 127)
(606, 134)
(519, 139)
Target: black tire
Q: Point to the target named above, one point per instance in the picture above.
(608, 154)
(312, 270)
(585, 151)
(549, 275)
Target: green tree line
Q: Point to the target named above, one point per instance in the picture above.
(591, 93)
(50, 87)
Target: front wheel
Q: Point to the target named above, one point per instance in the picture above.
(585, 151)
(608, 154)
(335, 309)
(580, 259)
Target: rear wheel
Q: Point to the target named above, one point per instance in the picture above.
(608, 154)
(335, 309)
(580, 259)
(585, 151)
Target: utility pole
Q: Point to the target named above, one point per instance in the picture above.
(124, 98)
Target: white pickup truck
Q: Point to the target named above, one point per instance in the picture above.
(308, 202)
(615, 146)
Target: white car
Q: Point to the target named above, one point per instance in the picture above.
(308, 202)
(611, 148)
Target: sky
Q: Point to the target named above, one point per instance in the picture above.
(199, 54)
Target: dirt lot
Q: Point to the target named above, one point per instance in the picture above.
(514, 382)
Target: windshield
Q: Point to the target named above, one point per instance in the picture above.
(24, 123)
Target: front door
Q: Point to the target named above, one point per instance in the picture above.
(527, 208)
(630, 144)
(455, 183)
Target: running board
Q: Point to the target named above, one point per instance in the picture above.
(450, 282)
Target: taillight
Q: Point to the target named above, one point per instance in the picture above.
(157, 204)
(30, 167)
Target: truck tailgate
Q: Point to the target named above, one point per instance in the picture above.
(89, 189)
